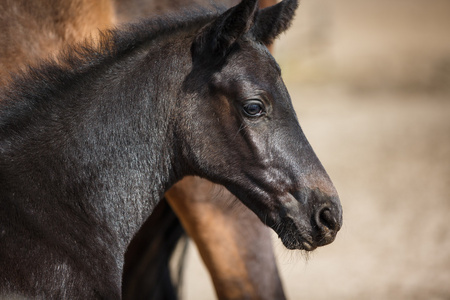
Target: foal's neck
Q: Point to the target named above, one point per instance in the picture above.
(99, 150)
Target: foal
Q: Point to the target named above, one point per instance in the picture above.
(88, 148)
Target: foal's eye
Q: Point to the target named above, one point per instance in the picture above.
(254, 108)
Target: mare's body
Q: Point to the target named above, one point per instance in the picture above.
(32, 30)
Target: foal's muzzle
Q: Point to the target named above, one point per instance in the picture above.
(316, 223)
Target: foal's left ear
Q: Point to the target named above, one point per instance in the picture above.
(216, 38)
(273, 20)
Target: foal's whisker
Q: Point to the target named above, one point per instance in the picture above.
(242, 127)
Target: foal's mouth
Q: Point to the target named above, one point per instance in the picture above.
(294, 238)
(305, 228)
(307, 239)
(299, 244)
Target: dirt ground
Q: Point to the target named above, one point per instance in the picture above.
(370, 82)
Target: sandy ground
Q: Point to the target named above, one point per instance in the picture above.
(369, 81)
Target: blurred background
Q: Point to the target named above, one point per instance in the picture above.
(370, 81)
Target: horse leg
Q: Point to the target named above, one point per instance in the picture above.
(235, 246)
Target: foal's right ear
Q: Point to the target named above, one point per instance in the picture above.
(274, 20)
(214, 40)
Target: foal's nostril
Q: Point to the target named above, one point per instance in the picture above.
(325, 220)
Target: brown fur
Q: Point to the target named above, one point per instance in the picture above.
(42, 28)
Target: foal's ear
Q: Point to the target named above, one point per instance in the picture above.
(216, 39)
(273, 20)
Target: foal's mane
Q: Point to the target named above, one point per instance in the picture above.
(53, 75)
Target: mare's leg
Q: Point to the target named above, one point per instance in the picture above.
(234, 244)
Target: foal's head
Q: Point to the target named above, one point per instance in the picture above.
(242, 130)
